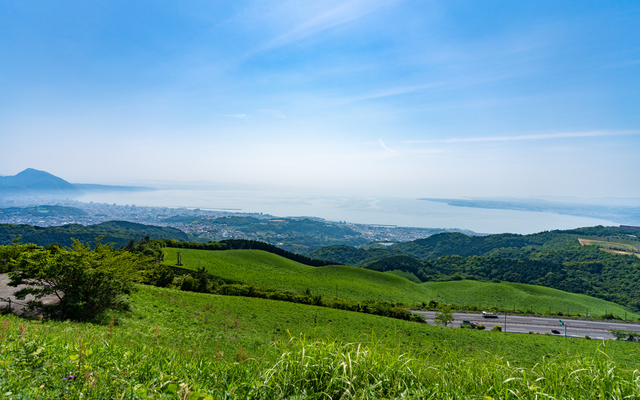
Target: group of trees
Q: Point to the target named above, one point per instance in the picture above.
(86, 280)
(117, 232)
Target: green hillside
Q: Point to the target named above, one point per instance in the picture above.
(561, 260)
(521, 296)
(187, 318)
(184, 345)
(268, 270)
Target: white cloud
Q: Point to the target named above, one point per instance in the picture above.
(384, 146)
(397, 91)
(239, 116)
(344, 12)
(543, 136)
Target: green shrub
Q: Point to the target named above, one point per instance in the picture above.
(188, 283)
(9, 254)
(415, 317)
(159, 275)
(497, 328)
(86, 281)
(481, 327)
(629, 336)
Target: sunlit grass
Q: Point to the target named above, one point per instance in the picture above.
(268, 270)
(52, 360)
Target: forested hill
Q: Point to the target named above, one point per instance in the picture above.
(118, 232)
(349, 255)
(442, 244)
(553, 259)
(454, 243)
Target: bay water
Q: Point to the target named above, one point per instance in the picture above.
(380, 210)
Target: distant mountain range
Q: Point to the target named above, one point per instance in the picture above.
(34, 182)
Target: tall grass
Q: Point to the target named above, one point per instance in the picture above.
(64, 360)
(334, 371)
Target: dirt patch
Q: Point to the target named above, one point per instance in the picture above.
(19, 307)
(621, 252)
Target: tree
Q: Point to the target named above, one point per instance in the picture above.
(444, 317)
(87, 282)
(8, 254)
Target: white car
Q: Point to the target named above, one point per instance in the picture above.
(489, 315)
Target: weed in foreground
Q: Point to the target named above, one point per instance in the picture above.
(81, 361)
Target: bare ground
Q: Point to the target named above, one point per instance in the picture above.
(19, 306)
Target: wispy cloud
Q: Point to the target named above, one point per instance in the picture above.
(239, 116)
(452, 84)
(384, 146)
(274, 113)
(543, 136)
(344, 12)
(396, 91)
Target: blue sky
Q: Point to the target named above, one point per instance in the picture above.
(404, 98)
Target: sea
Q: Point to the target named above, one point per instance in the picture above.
(375, 210)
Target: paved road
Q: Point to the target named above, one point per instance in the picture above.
(525, 324)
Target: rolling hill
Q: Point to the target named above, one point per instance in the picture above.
(267, 270)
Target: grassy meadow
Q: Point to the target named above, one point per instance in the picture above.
(183, 345)
(267, 270)
(522, 296)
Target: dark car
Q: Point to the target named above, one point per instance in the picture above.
(555, 331)
(470, 324)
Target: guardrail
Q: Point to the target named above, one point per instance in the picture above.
(11, 303)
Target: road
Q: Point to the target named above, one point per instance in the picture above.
(525, 324)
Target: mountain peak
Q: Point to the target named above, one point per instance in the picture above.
(34, 180)
(34, 172)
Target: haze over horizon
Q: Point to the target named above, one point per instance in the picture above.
(379, 97)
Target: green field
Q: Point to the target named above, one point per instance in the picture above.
(175, 344)
(621, 239)
(510, 295)
(267, 270)
(615, 245)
